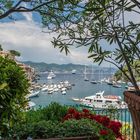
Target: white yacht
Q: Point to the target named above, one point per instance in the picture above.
(100, 101)
(51, 75)
(74, 71)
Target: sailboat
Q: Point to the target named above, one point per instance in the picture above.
(93, 81)
(85, 75)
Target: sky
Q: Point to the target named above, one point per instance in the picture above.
(25, 35)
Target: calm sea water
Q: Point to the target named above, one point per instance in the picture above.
(80, 90)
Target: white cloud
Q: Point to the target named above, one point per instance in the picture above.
(28, 16)
(80, 57)
(28, 38)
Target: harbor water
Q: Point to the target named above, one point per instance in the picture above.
(80, 90)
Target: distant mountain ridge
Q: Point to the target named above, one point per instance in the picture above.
(43, 67)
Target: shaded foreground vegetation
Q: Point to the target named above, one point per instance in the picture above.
(63, 121)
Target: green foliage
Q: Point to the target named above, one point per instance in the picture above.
(112, 113)
(1, 48)
(51, 129)
(95, 24)
(41, 124)
(135, 68)
(89, 23)
(14, 88)
(74, 127)
(127, 129)
(54, 112)
(14, 53)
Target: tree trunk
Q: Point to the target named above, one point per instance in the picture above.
(133, 102)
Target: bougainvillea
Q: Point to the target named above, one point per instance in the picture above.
(115, 126)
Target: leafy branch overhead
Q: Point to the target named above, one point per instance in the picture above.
(102, 26)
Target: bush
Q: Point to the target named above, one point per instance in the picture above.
(70, 123)
(12, 94)
(54, 111)
(50, 129)
(72, 127)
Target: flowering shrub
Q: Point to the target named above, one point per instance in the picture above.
(56, 121)
(107, 124)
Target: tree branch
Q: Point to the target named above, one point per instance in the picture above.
(7, 13)
(23, 9)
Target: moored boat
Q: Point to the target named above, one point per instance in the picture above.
(51, 75)
(116, 85)
(74, 71)
(30, 105)
(77, 99)
(33, 94)
(100, 101)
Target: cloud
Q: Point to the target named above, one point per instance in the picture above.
(28, 16)
(27, 37)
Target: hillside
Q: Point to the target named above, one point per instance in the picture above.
(43, 67)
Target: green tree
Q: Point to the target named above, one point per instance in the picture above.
(14, 53)
(98, 22)
(13, 89)
(135, 68)
(1, 47)
(53, 9)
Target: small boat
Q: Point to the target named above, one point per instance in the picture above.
(93, 82)
(44, 89)
(85, 79)
(63, 89)
(116, 85)
(110, 83)
(56, 89)
(33, 94)
(73, 71)
(77, 99)
(30, 105)
(64, 92)
(50, 89)
(49, 77)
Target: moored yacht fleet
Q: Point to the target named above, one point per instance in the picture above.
(62, 86)
(37, 89)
